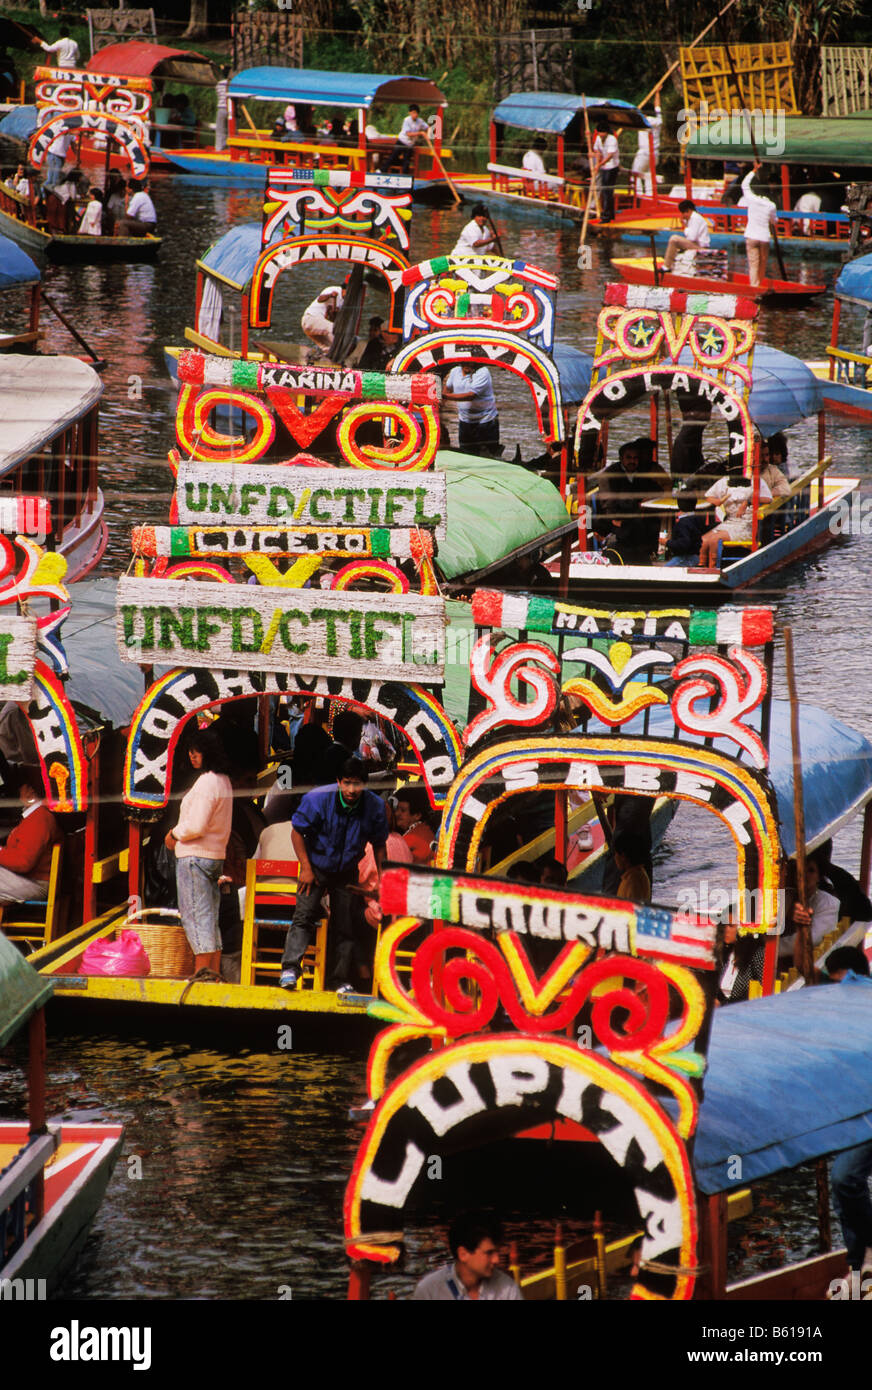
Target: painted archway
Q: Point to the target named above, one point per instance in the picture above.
(58, 743)
(490, 1088)
(91, 123)
(324, 250)
(622, 390)
(182, 693)
(740, 796)
(493, 347)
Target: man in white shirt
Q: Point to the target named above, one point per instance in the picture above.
(807, 202)
(606, 165)
(696, 233)
(67, 51)
(534, 164)
(56, 158)
(476, 235)
(478, 421)
(141, 218)
(320, 316)
(411, 131)
(642, 157)
(761, 216)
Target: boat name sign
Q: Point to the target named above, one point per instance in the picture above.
(171, 622)
(17, 656)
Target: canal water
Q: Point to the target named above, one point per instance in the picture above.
(236, 1158)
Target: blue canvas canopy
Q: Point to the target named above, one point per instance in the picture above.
(553, 112)
(783, 389)
(16, 267)
(316, 88)
(788, 1080)
(233, 256)
(855, 281)
(575, 369)
(20, 123)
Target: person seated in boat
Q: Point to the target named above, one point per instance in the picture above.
(687, 532)
(374, 354)
(477, 235)
(61, 211)
(413, 129)
(18, 182)
(92, 218)
(733, 500)
(478, 425)
(25, 859)
(534, 165)
(305, 121)
(629, 853)
(821, 915)
(474, 1239)
(140, 218)
(280, 130)
(762, 214)
(741, 961)
(330, 829)
(410, 813)
(806, 202)
(696, 236)
(319, 316)
(770, 473)
(114, 205)
(621, 490)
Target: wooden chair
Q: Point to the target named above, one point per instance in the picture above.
(37, 921)
(271, 884)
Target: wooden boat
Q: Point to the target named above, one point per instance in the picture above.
(52, 1176)
(554, 1071)
(639, 270)
(48, 455)
(844, 377)
(248, 149)
(770, 391)
(20, 220)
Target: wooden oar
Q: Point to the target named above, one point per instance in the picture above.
(458, 197)
(593, 188)
(254, 128)
(670, 70)
(757, 159)
(497, 239)
(99, 362)
(804, 956)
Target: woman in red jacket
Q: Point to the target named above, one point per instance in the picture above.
(25, 859)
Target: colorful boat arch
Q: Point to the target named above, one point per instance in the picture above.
(491, 1087)
(325, 250)
(91, 123)
(619, 391)
(740, 796)
(58, 743)
(183, 693)
(493, 347)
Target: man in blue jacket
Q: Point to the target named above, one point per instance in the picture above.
(330, 830)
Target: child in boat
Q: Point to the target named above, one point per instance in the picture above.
(733, 502)
(684, 544)
(92, 218)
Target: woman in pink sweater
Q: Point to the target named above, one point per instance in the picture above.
(200, 843)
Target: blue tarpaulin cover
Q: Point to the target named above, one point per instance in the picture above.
(575, 368)
(788, 1080)
(234, 255)
(318, 88)
(20, 123)
(16, 267)
(554, 111)
(855, 280)
(783, 389)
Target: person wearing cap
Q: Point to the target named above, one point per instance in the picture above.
(476, 235)
(411, 131)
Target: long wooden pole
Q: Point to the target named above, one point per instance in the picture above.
(669, 71)
(757, 160)
(804, 957)
(593, 188)
(458, 197)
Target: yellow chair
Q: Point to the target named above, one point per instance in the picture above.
(37, 921)
(272, 883)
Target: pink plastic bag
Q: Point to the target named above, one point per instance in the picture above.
(126, 956)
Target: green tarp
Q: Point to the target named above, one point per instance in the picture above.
(798, 140)
(493, 507)
(22, 990)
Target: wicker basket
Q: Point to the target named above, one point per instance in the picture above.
(164, 942)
